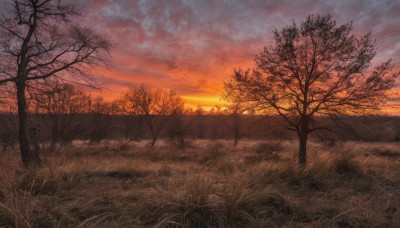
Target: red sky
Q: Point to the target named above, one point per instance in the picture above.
(194, 45)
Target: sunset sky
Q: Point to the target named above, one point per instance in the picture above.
(194, 45)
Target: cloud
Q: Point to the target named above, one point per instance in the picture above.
(193, 46)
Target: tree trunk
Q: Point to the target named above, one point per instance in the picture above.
(29, 155)
(153, 143)
(236, 139)
(303, 150)
(303, 136)
(236, 128)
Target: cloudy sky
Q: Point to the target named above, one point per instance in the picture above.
(194, 45)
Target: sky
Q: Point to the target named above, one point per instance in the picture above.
(193, 46)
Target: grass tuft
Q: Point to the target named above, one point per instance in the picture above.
(346, 165)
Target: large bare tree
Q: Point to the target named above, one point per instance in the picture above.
(317, 68)
(38, 40)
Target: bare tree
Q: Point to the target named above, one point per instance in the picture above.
(155, 105)
(235, 112)
(178, 128)
(61, 103)
(99, 124)
(134, 121)
(38, 41)
(215, 110)
(8, 131)
(317, 68)
(199, 112)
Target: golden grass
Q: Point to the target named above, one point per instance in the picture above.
(210, 184)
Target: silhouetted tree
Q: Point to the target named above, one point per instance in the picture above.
(101, 112)
(38, 41)
(178, 127)
(8, 131)
(134, 122)
(317, 68)
(199, 112)
(235, 111)
(61, 103)
(155, 105)
(216, 110)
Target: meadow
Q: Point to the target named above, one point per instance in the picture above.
(209, 184)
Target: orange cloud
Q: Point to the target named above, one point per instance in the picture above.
(193, 46)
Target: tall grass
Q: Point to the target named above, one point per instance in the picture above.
(210, 184)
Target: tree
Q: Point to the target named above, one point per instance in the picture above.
(60, 104)
(38, 40)
(235, 112)
(315, 69)
(178, 127)
(199, 112)
(133, 120)
(101, 112)
(8, 131)
(155, 105)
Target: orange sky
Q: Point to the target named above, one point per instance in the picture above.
(193, 46)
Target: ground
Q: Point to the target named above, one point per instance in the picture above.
(209, 184)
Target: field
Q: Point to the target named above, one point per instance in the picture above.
(210, 184)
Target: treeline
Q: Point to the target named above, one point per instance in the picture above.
(61, 112)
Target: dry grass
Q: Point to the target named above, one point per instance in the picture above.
(210, 184)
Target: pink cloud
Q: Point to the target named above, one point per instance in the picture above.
(193, 46)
